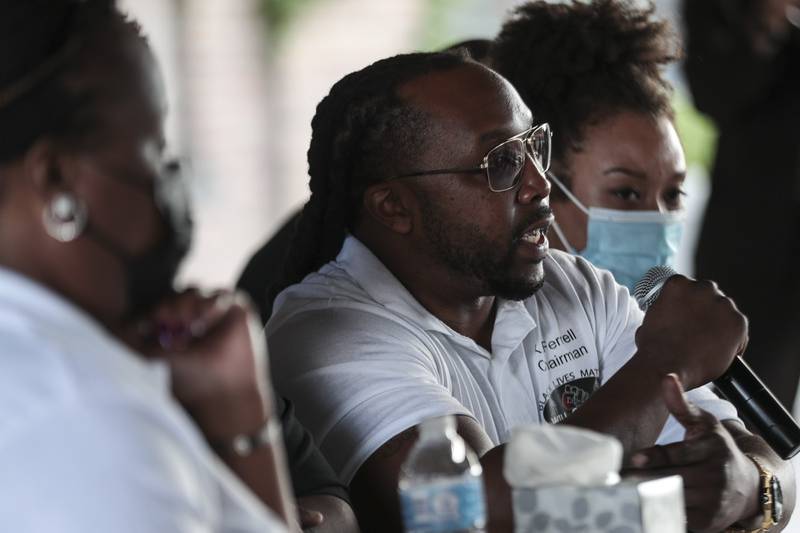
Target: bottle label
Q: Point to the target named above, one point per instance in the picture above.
(444, 505)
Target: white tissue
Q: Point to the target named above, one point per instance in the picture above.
(561, 455)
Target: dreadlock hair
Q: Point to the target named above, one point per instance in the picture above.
(362, 133)
(577, 63)
(44, 45)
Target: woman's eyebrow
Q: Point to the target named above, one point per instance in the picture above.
(627, 171)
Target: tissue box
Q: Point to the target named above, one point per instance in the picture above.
(631, 506)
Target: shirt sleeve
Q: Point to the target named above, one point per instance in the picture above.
(311, 473)
(95, 469)
(357, 381)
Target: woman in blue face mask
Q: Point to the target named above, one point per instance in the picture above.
(622, 209)
(593, 71)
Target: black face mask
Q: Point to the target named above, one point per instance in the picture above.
(150, 276)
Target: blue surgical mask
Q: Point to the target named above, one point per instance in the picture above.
(627, 243)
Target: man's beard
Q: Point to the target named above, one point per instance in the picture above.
(465, 249)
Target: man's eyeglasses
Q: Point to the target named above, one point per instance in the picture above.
(504, 163)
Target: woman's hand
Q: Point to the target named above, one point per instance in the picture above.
(217, 358)
(218, 361)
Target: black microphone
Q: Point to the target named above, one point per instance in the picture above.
(739, 384)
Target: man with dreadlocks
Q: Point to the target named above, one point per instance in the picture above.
(420, 284)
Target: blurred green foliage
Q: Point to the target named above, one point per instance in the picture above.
(697, 132)
(279, 15)
(434, 32)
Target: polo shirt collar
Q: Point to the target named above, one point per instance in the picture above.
(513, 321)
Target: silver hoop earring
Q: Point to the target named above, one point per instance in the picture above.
(64, 217)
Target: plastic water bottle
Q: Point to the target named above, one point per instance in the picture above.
(441, 490)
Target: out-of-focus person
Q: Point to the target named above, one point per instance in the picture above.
(743, 68)
(115, 391)
(593, 71)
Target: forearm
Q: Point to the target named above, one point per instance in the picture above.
(498, 492)
(264, 469)
(338, 516)
(266, 474)
(628, 406)
(374, 487)
(217, 360)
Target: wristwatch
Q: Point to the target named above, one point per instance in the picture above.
(770, 498)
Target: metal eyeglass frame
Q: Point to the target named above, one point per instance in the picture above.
(525, 137)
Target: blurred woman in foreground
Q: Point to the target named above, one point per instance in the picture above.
(100, 362)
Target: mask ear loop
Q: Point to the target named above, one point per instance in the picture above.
(571, 249)
(567, 192)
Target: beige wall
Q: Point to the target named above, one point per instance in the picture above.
(242, 111)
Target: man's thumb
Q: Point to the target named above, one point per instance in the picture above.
(678, 405)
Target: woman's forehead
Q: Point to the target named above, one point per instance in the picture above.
(637, 142)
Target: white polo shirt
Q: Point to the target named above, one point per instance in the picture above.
(363, 360)
(91, 439)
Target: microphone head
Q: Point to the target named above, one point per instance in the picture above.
(648, 288)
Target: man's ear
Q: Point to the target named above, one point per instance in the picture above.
(390, 205)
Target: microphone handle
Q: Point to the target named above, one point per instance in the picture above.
(756, 404)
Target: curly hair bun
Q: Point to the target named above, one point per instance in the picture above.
(576, 62)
